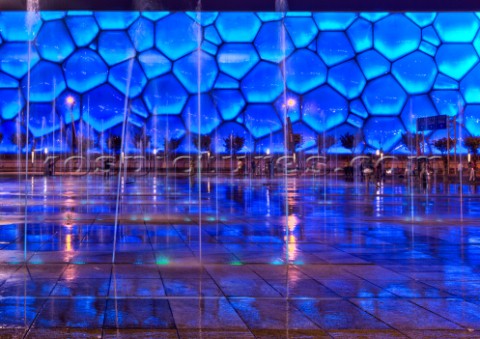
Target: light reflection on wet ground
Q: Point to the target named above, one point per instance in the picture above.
(234, 257)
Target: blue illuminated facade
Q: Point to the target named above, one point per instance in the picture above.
(371, 74)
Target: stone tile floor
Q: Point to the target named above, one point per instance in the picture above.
(237, 258)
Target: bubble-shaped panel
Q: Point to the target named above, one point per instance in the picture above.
(395, 43)
(374, 16)
(203, 18)
(324, 108)
(263, 84)
(357, 107)
(82, 28)
(229, 103)
(456, 27)
(347, 78)
(200, 114)
(15, 58)
(212, 36)
(308, 136)
(430, 36)
(304, 71)
(115, 20)
(428, 48)
(237, 59)
(237, 27)
(301, 30)
(128, 77)
(175, 43)
(417, 107)
(472, 119)
(270, 16)
(53, 41)
(115, 47)
(232, 128)
(261, 120)
(416, 72)
(7, 81)
(373, 64)
(197, 71)
(334, 21)
(383, 132)
(288, 105)
(476, 43)
(455, 60)
(164, 127)
(154, 63)
(209, 48)
(52, 15)
(421, 19)
(334, 47)
(361, 35)
(11, 103)
(141, 33)
(43, 119)
(444, 82)
(470, 86)
(155, 15)
(138, 107)
(46, 82)
(70, 111)
(19, 26)
(271, 44)
(85, 70)
(165, 95)
(103, 108)
(448, 102)
(226, 82)
(384, 96)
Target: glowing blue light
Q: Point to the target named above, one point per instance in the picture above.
(421, 19)
(334, 21)
(357, 107)
(428, 48)
(209, 48)
(444, 82)
(211, 35)
(46, 82)
(154, 63)
(270, 16)
(164, 127)
(11, 103)
(416, 72)
(141, 33)
(154, 15)
(395, 43)
(226, 82)
(82, 28)
(194, 114)
(237, 27)
(15, 58)
(324, 108)
(472, 119)
(384, 96)
(14, 25)
(288, 105)
(373, 64)
(417, 107)
(456, 27)
(85, 70)
(52, 15)
(261, 120)
(237, 59)
(304, 71)
(227, 129)
(301, 30)
(429, 35)
(165, 95)
(115, 20)
(374, 16)
(103, 108)
(128, 77)
(175, 43)
(43, 119)
(383, 133)
(54, 42)
(334, 47)
(347, 79)
(263, 84)
(361, 35)
(68, 110)
(138, 107)
(271, 44)
(455, 60)
(448, 102)
(228, 102)
(115, 47)
(470, 87)
(7, 81)
(194, 67)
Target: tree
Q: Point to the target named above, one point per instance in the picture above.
(324, 142)
(233, 143)
(473, 144)
(349, 141)
(202, 141)
(442, 144)
(19, 139)
(410, 140)
(114, 142)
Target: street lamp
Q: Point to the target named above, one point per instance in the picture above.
(71, 103)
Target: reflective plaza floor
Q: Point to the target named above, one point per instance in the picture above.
(228, 257)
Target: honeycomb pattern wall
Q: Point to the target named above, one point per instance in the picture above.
(181, 74)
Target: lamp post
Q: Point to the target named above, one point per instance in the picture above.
(71, 103)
